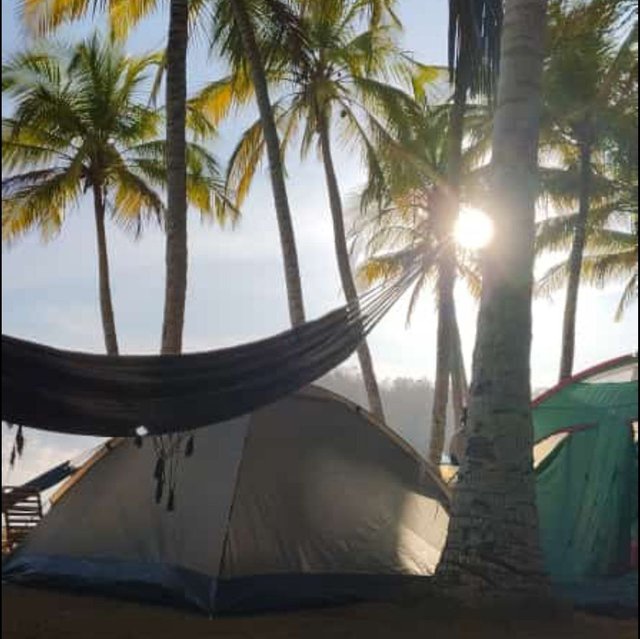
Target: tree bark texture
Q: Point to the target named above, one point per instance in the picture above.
(575, 264)
(459, 384)
(344, 267)
(272, 142)
(447, 213)
(176, 217)
(493, 549)
(106, 303)
(446, 315)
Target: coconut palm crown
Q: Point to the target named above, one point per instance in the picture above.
(81, 124)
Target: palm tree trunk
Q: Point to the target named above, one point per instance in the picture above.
(106, 304)
(447, 274)
(575, 264)
(493, 549)
(344, 267)
(272, 142)
(446, 315)
(459, 385)
(176, 218)
(460, 397)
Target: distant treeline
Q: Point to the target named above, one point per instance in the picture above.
(407, 403)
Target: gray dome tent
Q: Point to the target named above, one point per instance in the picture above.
(305, 501)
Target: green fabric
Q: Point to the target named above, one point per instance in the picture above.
(584, 403)
(634, 505)
(587, 488)
(585, 493)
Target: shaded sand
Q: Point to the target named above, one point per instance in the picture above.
(39, 614)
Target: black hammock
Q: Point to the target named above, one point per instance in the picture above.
(86, 394)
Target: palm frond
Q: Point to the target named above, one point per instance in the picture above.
(607, 240)
(600, 270)
(124, 15)
(43, 16)
(16, 185)
(245, 160)
(555, 233)
(134, 201)
(421, 281)
(380, 269)
(475, 28)
(217, 99)
(553, 280)
(471, 275)
(32, 149)
(39, 201)
(629, 296)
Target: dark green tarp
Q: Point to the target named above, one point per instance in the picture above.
(583, 404)
(587, 488)
(586, 491)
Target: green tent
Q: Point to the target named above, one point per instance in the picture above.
(587, 479)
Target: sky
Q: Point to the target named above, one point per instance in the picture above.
(236, 286)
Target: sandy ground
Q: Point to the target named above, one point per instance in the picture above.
(39, 614)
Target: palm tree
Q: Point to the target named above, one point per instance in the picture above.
(334, 69)
(409, 231)
(78, 127)
(404, 224)
(585, 78)
(43, 17)
(246, 32)
(176, 226)
(235, 27)
(235, 32)
(611, 229)
(474, 37)
(492, 547)
(232, 25)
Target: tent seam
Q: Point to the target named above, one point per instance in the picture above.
(234, 495)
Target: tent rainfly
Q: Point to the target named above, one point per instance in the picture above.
(586, 458)
(302, 502)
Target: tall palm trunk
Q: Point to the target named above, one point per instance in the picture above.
(575, 263)
(446, 317)
(459, 385)
(447, 274)
(176, 218)
(272, 142)
(106, 304)
(493, 549)
(459, 396)
(344, 267)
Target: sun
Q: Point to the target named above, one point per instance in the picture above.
(473, 230)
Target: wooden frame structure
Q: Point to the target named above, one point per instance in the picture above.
(21, 513)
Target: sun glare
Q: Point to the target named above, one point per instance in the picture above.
(474, 229)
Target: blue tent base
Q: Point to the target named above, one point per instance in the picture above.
(149, 582)
(177, 587)
(610, 596)
(166, 585)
